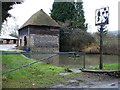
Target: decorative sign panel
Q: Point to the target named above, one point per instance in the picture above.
(102, 16)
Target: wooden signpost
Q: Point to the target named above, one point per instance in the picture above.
(101, 19)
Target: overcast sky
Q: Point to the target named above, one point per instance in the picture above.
(22, 12)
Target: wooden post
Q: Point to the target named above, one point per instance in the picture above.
(84, 61)
(101, 47)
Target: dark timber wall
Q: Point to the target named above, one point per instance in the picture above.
(40, 37)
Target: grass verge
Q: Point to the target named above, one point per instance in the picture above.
(34, 76)
(115, 66)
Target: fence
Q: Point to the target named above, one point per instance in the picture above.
(48, 55)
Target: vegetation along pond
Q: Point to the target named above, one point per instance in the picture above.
(75, 61)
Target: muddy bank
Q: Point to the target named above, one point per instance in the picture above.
(89, 80)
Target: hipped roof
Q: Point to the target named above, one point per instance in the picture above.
(40, 18)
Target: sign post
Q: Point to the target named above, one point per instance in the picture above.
(101, 47)
(101, 19)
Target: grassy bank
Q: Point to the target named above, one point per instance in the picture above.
(37, 75)
(107, 67)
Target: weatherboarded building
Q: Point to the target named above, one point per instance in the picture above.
(40, 32)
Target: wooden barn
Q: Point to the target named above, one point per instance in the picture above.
(6, 39)
(40, 32)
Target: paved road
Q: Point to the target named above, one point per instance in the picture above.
(6, 47)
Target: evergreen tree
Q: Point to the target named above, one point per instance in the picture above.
(79, 18)
(62, 11)
(72, 11)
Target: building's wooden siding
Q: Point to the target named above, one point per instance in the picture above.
(23, 32)
(43, 30)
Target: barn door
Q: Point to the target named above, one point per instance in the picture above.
(25, 41)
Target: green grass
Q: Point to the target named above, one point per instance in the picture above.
(115, 66)
(34, 76)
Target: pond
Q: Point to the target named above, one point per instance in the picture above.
(72, 61)
(90, 60)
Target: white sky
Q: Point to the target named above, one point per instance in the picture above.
(23, 11)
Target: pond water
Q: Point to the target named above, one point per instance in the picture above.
(90, 60)
(72, 61)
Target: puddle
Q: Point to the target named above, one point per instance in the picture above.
(75, 70)
(64, 74)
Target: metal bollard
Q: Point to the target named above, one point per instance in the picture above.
(27, 52)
